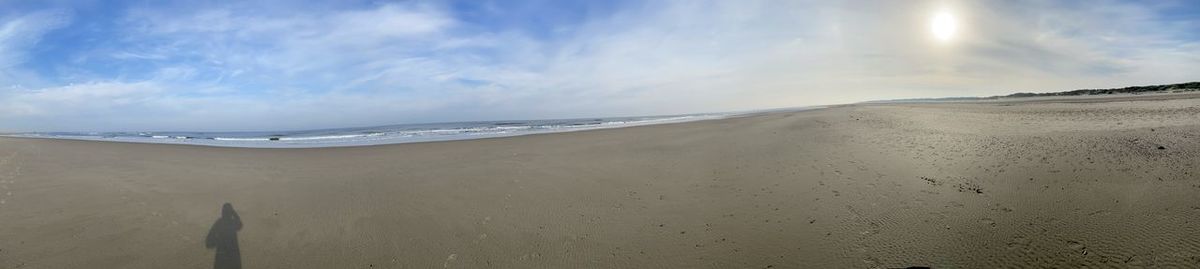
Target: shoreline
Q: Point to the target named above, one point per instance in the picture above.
(965, 185)
(1006, 101)
(267, 143)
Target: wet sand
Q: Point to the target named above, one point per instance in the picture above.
(1097, 183)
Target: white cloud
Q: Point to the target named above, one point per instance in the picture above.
(95, 99)
(108, 106)
(17, 35)
(237, 68)
(292, 45)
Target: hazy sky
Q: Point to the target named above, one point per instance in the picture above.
(269, 65)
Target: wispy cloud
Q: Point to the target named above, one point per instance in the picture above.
(240, 66)
(19, 34)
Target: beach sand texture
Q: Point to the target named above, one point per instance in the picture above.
(1108, 183)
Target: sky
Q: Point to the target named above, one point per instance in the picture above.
(283, 65)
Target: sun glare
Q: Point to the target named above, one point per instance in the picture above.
(943, 26)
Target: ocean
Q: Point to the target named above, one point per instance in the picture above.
(376, 135)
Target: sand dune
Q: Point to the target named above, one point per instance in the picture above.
(1100, 183)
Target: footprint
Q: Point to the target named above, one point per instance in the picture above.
(988, 222)
(1077, 246)
(1019, 242)
(448, 260)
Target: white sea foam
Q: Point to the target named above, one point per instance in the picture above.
(377, 135)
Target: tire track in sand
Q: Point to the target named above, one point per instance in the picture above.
(9, 170)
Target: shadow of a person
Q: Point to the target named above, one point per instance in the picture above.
(223, 237)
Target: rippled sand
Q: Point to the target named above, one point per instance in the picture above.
(1043, 183)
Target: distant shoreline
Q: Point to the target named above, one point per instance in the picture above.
(433, 132)
(1178, 88)
(378, 135)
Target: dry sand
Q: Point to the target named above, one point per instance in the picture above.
(985, 185)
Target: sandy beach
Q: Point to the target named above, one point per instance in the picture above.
(1087, 183)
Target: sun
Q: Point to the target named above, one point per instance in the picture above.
(943, 26)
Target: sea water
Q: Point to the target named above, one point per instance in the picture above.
(389, 134)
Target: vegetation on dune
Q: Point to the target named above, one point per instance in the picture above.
(1189, 86)
(1166, 88)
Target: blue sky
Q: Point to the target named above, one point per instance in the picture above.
(271, 65)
